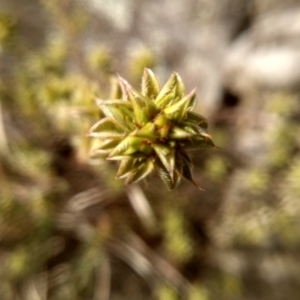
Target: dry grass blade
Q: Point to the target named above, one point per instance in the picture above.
(89, 198)
(147, 263)
(141, 206)
(3, 139)
(36, 288)
(103, 281)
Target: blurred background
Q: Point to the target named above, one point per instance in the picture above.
(69, 230)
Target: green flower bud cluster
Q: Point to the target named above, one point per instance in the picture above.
(151, 129)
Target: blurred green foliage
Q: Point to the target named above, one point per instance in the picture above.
(179, 246)
(216, 168)
(100, 60)
(139, 60)
(66, 225)
(7, 29)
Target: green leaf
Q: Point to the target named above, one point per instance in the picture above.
(105, 148)
(192, 103)
(119, 103)
(163, 125)
(127, 146)
(165, 175)
(180, 89)
(196, 118)
(145, 116)
(150, 85)
(119, 111)
(166, 156)
(178, 133)
(116, 91)
(145, 169)
(146, 148)
(161, 120)
(148, 132)
(138, 141)
(184, 155)
(178, 110)
(151, 109)
(139, 102)
(198, 142)
(105, 129)
(192, 128)
(187, 171)
(164, 130)
(126, 167)
(167, 93)
(139, 109)
(177, 170)
(123, 156)
(134, 148)
(168, 99)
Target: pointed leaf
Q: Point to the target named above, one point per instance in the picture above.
(126, 167)
(105, 129)
(105, 148)
(177, 170)
(134, 148)
(198, 142)
(138, 141)
(181, 114)
(165, 175)
(138, 102)
(116, 90)
(178, 164)
(163, 131)
(192, 128)
(121, 147)
(196, 118)
(184, 155)
(148, 132)
(123, 83)
(146, 148)
(144, 108)
(192, 103)
(119, 111)
(163, 98)
(166, 156)
(127, 146)
(150, 85)
(145, 116)
(161, 120)
(179, 133)
(115, 102)
(109, 144)
(178, 110)
(180, 89)
(151, 109)
(163, 125)
(145, 169)
(168, 99)
(122, 157)
(139, 106)
(187, 172)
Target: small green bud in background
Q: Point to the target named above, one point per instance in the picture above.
(50, 60)
(7, 29)
(100, 59)
(144, 58)
(151, 130)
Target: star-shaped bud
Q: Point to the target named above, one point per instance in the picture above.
(151, 130)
